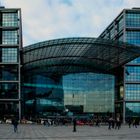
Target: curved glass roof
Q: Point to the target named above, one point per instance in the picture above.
(74, 55)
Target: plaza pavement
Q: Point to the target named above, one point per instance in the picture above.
(40, 132)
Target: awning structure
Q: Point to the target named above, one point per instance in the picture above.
(76, 55)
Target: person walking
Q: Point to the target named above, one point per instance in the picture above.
(134, 123)
(15, 124)
(113, 123)
(109, 123)
(118, 123)
(129, 122)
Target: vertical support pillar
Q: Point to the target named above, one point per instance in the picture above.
(124, 111)
(124, 72)
(20, 61)
(19, 88)
(19, 110)
(124, 39)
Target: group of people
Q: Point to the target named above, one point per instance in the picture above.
(132, 122)
(55, 121)
(49, 122)
(112, 123)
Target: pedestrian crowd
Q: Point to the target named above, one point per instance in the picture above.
(116, 124)
(113, 123)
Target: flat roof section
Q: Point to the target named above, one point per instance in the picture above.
(77, 55)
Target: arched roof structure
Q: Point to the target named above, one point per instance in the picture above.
(75, 55)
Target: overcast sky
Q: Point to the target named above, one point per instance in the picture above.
(51, 19)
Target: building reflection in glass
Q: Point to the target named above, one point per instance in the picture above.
(77, 93)
(89, 93)
(42, 96)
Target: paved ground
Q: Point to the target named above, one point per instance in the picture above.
(40, 132)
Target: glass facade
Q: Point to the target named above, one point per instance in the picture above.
(133, 19)
(8, 73)
(132, 92)
(120, 24)
(8, 91)
(133, 37)
(112, 30)
(133, 34)
(9, 55)
(10, 35)
(10, 19)
(133, 74)
(8, 108)
(42, 95)
(128, 30)
(56, 76)
(49, 94)
(78, 93)
(132, 79)
(91, 92)
(132, 109)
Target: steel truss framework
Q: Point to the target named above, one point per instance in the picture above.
(76, 55)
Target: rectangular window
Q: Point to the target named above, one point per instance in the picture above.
(133, 37)
(132, 109)
(10, 37)
(132, 91)
(9, 72)
(120, 24)
(9, 108)
(133, 74)
(10, 19)
(8, 55)
(112, 33)
(8, 90)
(133, 19)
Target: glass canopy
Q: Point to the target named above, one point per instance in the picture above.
(75, 55)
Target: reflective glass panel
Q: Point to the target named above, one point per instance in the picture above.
(120, 24)
(9, 37)
(43, 95)
(8, 55)
(133, 37)
(132, 91)
(90, 91)
(133, 19)
(9, 72)
(8, 91)
(133, 73)
(10, 19)
(132, 109)
(8, 109)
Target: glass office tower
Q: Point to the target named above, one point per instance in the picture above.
(10, 45)
(126, 28)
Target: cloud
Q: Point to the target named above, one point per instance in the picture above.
(51, 19)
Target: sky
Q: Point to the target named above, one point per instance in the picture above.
(52, 19)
